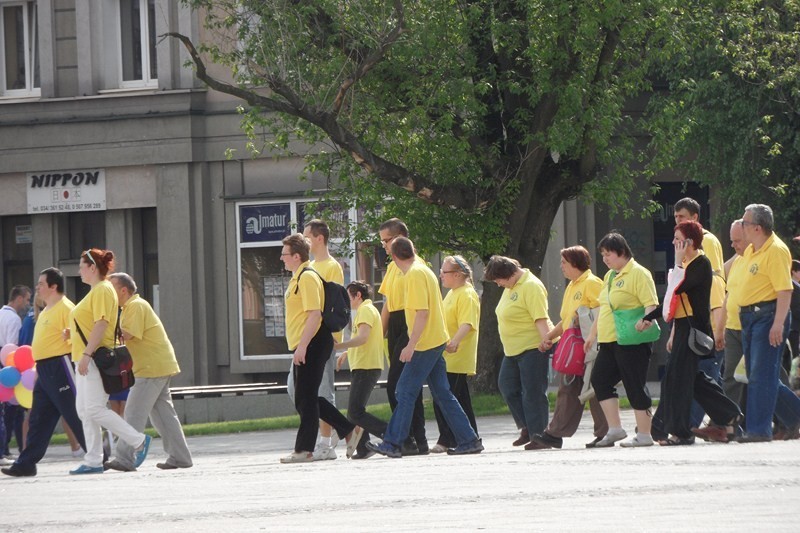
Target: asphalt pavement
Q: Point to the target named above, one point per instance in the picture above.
(238, 484)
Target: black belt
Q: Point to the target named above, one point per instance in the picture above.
(755, 308)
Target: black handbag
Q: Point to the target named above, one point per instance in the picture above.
(115, 364)
(699, 343)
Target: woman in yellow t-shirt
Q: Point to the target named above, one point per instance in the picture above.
(462, 310)
(93, 322)
(582, 291)
(627, 285)
(365, 355)
(522, 322)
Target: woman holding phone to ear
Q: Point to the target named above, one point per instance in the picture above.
(683, 381)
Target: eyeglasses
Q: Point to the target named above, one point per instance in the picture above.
(449, 271)
(390, 239)
(286, 253)
(88, 254)
(747, 223)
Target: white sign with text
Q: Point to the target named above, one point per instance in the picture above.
(66, 191)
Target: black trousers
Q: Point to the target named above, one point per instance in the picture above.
(460, 389)
(626, 363)
(398, 339)
(683, 382)
(362, 382)
(307, 402)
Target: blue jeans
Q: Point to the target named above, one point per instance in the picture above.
(426, 365)
(711, 366)
(523, 384)
(765, 393)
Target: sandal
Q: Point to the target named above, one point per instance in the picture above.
(676, 441)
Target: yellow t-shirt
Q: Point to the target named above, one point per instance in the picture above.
(713, 250)
(633, 287)
(331, 270)
(422, 292)
(717, 291)
(100, 304)
(309, 297)
(766, 272)
(462, 306)
(152, 353)
(518, 310)
(393, 286)
(584, 291)
(369, 355)
(734, 287)
(47, 335)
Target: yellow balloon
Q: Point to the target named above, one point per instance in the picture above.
(23, 395)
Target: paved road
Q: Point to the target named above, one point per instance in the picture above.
(237, 484)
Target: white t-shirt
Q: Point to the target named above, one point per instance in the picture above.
(10, 324)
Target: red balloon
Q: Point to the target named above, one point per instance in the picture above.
(6, 393)
(23, 358)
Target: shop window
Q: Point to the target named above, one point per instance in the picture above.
(137, 31)
(17, 252)
(19, 53)
(263, 280)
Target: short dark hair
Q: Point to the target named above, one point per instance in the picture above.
(53, 276)
(578, 257)
(17, 291)
(795, 265)
(318, 227)
(125, 280)
(395, 226)
(500, 267)
(614, 242)
(690, 204)
(692, 230)
(359, 287)
(298, 244)
(403, 248)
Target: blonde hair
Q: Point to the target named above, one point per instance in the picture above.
(462, 265)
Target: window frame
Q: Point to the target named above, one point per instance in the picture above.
(146, 82)
(31, 37)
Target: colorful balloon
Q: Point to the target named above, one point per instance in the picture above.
(9, 376)
(23, 396)
(28, 378)
(7, 349)
(10, 359)
(23, 358)
(6, 393)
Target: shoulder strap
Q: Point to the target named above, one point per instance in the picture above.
(680, 296)
(117, 330)
(608, 287)
(309, 269)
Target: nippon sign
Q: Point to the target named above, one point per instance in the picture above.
(67, 191)
(264, 223)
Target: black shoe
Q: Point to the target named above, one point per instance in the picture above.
(384, 448)
(475, 446)
(166, 466)
(747, 438)
(116, 465)
(594, 442)
(423, 449)
(545, 439)
(410, 447)
(16, 471)
(366, 454)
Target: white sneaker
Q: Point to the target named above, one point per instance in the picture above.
(6, 462)
(639, 440)
(613, 435)
(297, 457)
(324, 453)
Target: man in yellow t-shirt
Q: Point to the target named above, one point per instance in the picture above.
(317, 233)
(393, 318)
(764, 299)
(312, 344)
(689, 209)
(54, 391)
(734, 275)
(365, 356)
(154, 365)
(427, 336)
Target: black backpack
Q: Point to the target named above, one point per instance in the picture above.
(336, 307)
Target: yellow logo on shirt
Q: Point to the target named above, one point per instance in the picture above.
(513, 297)
(754, 269)
(620, 283)
(577, 296)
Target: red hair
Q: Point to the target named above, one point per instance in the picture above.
(102, 259)
(692, 230)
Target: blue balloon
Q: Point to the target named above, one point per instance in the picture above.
(9, 376)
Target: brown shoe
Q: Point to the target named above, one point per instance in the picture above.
(533, 445)
(786, 434)
(712, 433)
(524, 438)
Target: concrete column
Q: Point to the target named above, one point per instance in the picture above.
(45, 242)
(47, 50)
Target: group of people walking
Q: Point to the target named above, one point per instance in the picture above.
(717, 313)
(65, 339)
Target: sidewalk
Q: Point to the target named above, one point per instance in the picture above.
(237, 484)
